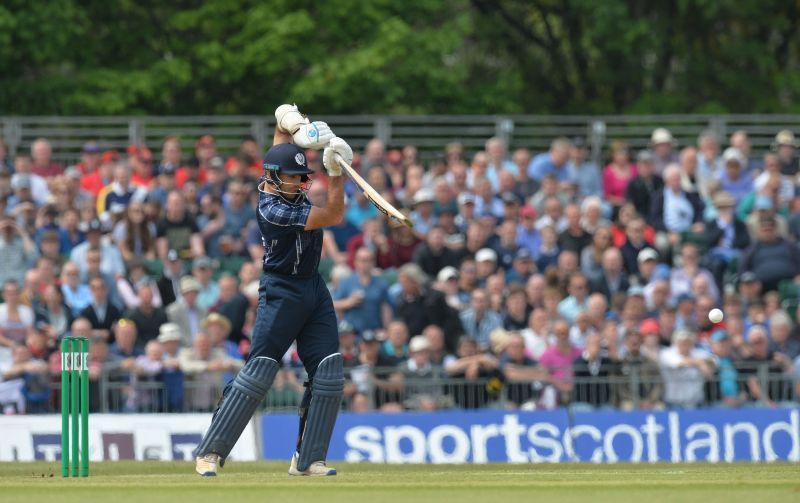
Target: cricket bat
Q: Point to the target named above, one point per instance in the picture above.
(373, 195)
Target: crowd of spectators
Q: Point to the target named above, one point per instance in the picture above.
(529, 279)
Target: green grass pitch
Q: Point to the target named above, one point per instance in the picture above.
(152, 482)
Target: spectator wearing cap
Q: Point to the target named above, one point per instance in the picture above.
(76, 294)
(553, 215)
(466, 210)
(177, 230)
(674, 211)
(725, 387)
(147, 316)
(645, 184)
(527, 233)
(90, 158)
(17, 250)
(552, 162)
(96, 180)
(101, 312)
(739, 139)
(116, 197)
(548, 252)
(25, 179)
(734, 179)
(479, 320)
(362, 298)
(522, 267)
(111, 263)
(216, 180)
(684, 370)
(647, 395)
(663, 144)
(218, 329)
(574, 237)
(771, 258)
(202, 270)
(486, 261)
(348, 344)
(169, 281)
(618, 174)
(395, 347)
(42, 156)
(763, 206)
(725, 237)
(785, 145)
(185, 312)
(433, 254)
(448, 282)
(140, 160)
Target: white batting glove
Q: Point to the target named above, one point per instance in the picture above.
(340, 147)
(289, 118)
(315, 135)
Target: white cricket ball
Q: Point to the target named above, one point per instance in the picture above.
(715, 315)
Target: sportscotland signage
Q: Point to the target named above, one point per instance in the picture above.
(714, 435)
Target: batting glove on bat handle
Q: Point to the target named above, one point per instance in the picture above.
(337, 151)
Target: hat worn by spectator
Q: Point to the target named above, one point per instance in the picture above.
(202, 263)
(466, 198)
(172, 255)
(418, 343)
(645, 156)
(733, 154)
(109, 156)
(785, 138)
(73, 173)
(661, 135)
(217, 318)
(649, 326)
(635, 291)
(450, 208)
(423, 195)
(719, 336)
(686, 297)
(169, 332)
(21, 181)
(94, 226)
(205, 141)
(510, 198)
(748, 277)
(91, 147)
(346, 327)
(764, 203)
(683, 334)
(647, 254)
(369, 336)
(141, 152)
(527, 212)
(724, 200)
(189, 284)
(447, 273)
(486, 255)
(216, 162)
(523, 254)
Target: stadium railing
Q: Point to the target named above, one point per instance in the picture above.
(392, 388)
(430, 133)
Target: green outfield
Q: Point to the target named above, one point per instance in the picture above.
(152, 482)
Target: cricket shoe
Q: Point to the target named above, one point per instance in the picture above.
(207, 465)
(317, 469)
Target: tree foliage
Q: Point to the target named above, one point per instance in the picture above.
(83, 57)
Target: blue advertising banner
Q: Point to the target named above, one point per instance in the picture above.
(488, 436)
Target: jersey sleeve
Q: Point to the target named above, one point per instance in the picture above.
(285, 215)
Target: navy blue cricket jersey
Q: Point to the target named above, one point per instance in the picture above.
(288, 248)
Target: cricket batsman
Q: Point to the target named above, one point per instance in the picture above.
(294, 303)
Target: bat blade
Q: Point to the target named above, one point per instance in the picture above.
(373, 196)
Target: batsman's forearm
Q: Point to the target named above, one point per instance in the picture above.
(335, 202)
